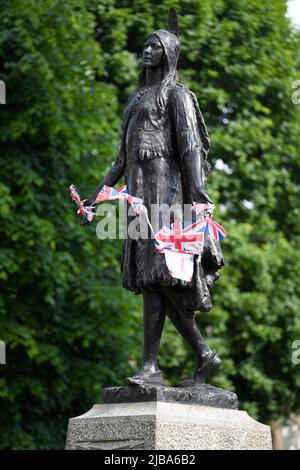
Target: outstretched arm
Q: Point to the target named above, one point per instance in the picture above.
(113, 175)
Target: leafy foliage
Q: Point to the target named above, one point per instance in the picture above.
(69, 327)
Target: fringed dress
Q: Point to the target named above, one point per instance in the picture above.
(159, 141)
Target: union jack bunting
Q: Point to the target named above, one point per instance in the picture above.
(74, 195)
(86, 211)
(214, 229)
(182, 237)
(179, 242)
(200, 207)
(180, 265)
(137, 204)
(108, 193)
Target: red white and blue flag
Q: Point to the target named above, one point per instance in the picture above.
(184, 237)
(137, 204)
(207, 208)
(108, 193)
(179, 241)
(180, 265)
(86, 211)
(214, 229)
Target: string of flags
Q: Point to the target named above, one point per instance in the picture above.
(85, 211)
(180, 242)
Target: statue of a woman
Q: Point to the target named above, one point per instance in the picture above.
(163, 158)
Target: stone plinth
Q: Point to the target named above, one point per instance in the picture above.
(156, 422)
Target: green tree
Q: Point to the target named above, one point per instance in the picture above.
(66, 323)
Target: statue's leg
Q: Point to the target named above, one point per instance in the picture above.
(188, 329)
(185, 323)
(154, 318)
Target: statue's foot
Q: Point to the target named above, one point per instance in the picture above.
(146, 377)
(211, 363)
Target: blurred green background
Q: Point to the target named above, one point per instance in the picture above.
(69, 328)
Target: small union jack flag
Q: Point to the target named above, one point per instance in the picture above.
(214, 229)
(108, 193)
(180, 265)
(182, 237)
(200, 207)
(86, 211)
(136, 203)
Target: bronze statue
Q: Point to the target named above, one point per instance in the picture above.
(163, 158)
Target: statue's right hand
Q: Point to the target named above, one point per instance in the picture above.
(87, 203)
(90, 201)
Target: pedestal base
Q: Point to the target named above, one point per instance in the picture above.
(166, 426)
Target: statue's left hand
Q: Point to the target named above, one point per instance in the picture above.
(203, 197)
(90, 201)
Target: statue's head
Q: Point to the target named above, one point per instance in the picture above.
(161, 49)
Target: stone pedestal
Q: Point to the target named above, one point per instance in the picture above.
(158, 420)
